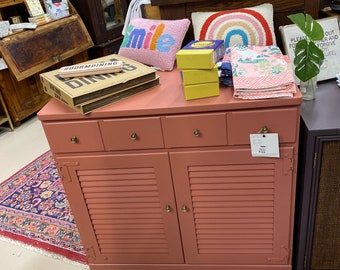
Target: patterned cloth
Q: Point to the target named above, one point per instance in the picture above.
(261, 72)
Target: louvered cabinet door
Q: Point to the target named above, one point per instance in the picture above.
(125, 207)
(234, 209)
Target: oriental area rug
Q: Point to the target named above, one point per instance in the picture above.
(34, 210)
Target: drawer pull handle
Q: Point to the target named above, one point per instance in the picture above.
(134, 136)
(74, 139)
(168, 208)
(197, 133)
(185, 209)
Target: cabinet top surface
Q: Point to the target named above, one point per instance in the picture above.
(323, 112)
(166, 98)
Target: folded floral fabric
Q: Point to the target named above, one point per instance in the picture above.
(261, 72)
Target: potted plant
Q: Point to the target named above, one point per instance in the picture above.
(308, 56)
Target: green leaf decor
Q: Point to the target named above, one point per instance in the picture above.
(308, 57)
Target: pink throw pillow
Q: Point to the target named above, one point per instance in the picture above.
(154, 42)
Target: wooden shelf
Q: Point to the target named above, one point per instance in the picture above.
(7, 3)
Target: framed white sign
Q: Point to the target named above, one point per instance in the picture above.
(330, 46)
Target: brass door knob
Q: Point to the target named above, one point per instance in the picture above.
(185, 209)
(168, 208)
(197, 133)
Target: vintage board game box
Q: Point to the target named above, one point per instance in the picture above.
(79, 90)
(200, 54)
(201, 90)
(197, 76)
(91, 105)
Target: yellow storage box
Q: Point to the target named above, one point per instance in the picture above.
(200, 54)
(197, 76)
(202, 90)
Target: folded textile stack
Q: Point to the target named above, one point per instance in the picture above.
(261, 72)
(225, 74)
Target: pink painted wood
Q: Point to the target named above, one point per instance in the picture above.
(156, 182)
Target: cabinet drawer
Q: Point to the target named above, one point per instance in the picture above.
(74, 136)
(134, 133)
(195, 130)
(282, 121)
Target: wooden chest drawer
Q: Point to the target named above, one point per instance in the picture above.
(281, 121)
(134, 133)
(74, 136)
(195, 130)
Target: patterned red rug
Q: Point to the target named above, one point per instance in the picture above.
(34, 210)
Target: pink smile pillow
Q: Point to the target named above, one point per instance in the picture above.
(154, 42)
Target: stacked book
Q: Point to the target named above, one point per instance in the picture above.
(198, 63)
(36, 12)
(261, 72)
(87, 93)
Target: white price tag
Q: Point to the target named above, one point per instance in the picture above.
(265, 145)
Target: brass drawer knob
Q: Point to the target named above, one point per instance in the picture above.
(264, 130)
(74, 139)
(134, 136)
(197, 133)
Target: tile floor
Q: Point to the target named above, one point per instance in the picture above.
(17, 149)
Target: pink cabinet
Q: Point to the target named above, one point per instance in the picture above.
(124, 206)
(235, 209)
(172, 184)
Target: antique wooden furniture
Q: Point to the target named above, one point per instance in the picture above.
(105, 21)
(27, 53)
(317, 233)
(4, 116)
(158, 182)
